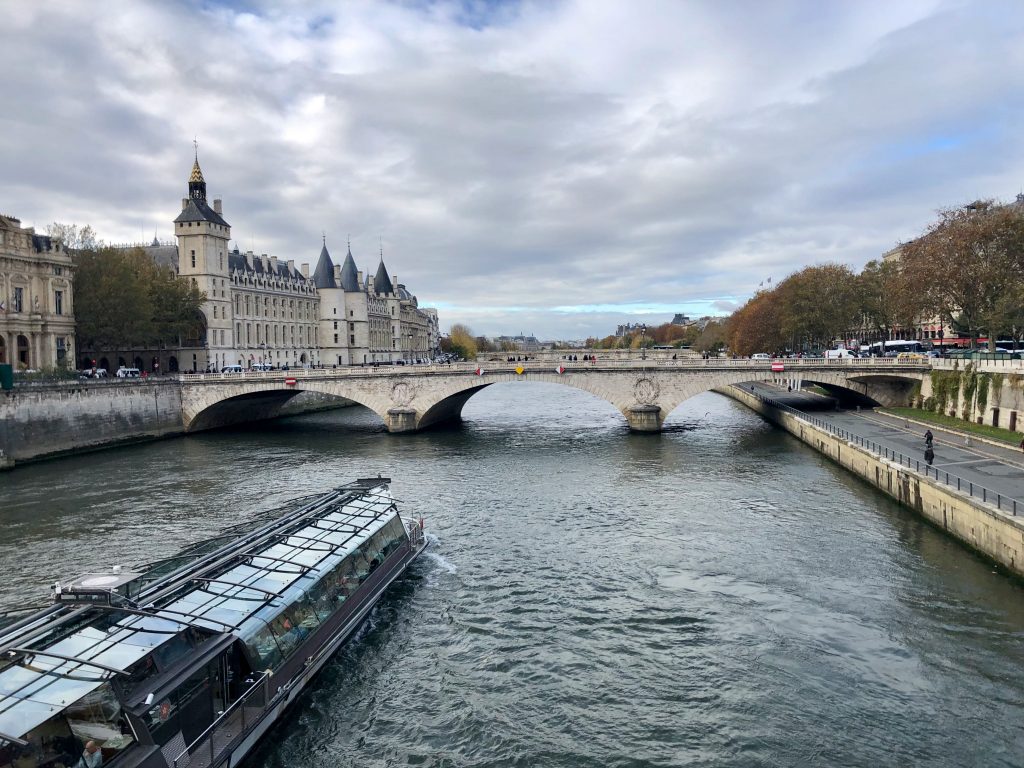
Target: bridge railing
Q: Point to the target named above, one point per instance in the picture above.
(971, 488)
(502, 366)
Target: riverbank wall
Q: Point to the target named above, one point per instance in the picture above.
(982, 526)
(47, 421)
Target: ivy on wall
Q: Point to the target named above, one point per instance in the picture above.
(945, 389)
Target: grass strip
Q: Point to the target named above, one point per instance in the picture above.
(942, 420)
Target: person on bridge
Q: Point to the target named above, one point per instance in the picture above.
(928, 437)
(929, 454)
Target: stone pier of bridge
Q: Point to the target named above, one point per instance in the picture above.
(414, 398)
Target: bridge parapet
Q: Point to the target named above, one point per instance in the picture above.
(409, 398)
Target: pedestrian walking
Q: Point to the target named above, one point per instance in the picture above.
(929, 454)
(928, 437)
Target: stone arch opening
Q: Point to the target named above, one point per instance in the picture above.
(448, 410)
(172, 364)
(260, 405)
(24, 358)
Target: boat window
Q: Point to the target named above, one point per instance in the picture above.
(97, 717)
(261, 644)
(50, 743)
(289, 632)
(173, 650)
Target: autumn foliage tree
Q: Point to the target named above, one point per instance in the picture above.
(969, 266)
(462, 342)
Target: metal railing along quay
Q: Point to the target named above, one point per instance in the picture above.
(971, 488)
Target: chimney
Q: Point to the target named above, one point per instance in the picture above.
(265, 261)
(217, 205)
(248, 259)
(184, 203)
(359, 277)
(291, 266)
(337, 273)
(273, 263)
(305, 270)
(394, 282)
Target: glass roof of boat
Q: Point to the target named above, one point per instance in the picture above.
(37, 685)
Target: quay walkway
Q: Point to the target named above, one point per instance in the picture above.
(991, 473)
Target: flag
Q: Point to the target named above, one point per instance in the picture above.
(3, 306)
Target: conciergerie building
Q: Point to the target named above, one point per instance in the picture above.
(260, 309)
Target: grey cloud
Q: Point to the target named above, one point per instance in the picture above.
(577, 154)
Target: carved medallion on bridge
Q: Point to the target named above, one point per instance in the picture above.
(645, 391)
(402, 393)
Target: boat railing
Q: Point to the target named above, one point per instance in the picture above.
(415, 530)
(233, 722)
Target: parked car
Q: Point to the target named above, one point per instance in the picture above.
(128, 373)
(231, 369)
(760, 356)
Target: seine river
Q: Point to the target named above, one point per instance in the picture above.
(718, 595)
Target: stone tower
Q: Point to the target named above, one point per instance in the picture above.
(203, 237)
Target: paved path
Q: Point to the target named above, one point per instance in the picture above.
(999, 470)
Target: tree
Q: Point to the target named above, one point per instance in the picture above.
(818, 304)
(462, 342)
(713, 337)
(124, 299)
(73, 238)
(887, 298)
(757, 325)
(968, 262)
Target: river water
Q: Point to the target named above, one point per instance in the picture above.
(717, 595)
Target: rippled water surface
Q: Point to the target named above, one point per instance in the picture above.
(717, 595)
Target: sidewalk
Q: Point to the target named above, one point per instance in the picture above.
(998, 469)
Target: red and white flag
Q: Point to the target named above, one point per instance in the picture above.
(560, 370)
(479, 371)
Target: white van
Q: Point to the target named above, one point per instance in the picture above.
(128, 373)
(761, 356)
(838, 354)
(231, 369)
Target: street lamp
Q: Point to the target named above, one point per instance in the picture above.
(643, 339)
(410, 346)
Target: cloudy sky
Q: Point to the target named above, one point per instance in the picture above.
(547, 167)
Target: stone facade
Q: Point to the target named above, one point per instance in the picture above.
(369, 321)
(263, 311)
(37, 322)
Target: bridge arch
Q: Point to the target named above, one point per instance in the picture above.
(414, 399)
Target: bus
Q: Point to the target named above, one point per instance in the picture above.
(894, 347)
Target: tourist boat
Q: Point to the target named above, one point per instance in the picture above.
(186, 662)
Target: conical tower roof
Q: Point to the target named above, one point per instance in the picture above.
(349, 274)
(381, 281)
(323, 275)
(197, 172)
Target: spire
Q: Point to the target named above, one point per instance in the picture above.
(381, 281)
(196, 182)
(323, 275)
(349, 273)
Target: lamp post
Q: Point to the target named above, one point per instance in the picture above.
(410, 346)
(643, 339)
(942, 333)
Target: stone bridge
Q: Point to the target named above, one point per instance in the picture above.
(644, 391)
